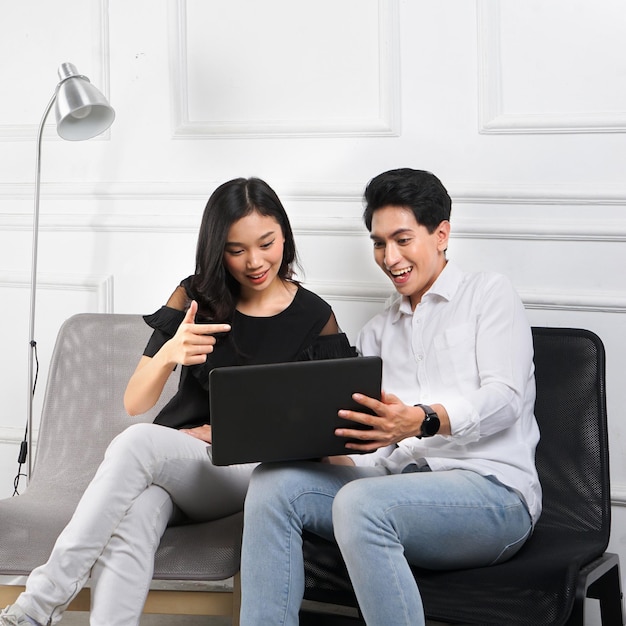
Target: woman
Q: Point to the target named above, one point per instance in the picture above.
(241, 306)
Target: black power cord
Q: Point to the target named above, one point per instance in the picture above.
(23, 455)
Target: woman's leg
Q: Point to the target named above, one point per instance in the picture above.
(282, 500)
(121, 576)
(436, 520)
(142, 455)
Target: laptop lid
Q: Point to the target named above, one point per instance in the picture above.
(286, 411)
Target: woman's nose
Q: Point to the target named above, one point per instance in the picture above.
(252, 260)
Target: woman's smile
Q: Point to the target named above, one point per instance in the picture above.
(259, 277)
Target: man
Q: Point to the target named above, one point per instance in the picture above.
(448, 480)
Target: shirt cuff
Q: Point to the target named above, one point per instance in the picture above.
(464, 420)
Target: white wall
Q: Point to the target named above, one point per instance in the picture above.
(519, 107)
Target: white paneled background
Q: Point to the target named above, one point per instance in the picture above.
(519, 107)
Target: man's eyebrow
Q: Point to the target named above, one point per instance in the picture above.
(395, 233)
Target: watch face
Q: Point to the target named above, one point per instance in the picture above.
(430, 425)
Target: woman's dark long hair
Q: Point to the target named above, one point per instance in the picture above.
(212, 286)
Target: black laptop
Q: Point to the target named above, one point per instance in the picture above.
(286, 411)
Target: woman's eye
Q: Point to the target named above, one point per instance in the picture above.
(267, 245)
(234, 252)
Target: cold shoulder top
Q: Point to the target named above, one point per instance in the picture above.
(291, 335)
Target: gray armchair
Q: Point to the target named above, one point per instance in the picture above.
(93, 358)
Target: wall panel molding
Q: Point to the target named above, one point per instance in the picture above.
(478, 193)
(386, 123)
(160, 197)
(588, 302)
(493, 119)
(618, 494)
(100, 285)
(601, 230)
(100, 77)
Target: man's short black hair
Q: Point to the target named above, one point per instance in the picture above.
(417, 190)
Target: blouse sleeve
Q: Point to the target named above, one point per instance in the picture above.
(165, 323)
(328, 347)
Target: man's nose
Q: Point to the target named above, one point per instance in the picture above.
(391, 255)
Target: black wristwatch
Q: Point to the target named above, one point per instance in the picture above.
(431, 423)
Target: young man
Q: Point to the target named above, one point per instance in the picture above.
(449, 479)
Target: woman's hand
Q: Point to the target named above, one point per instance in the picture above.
(192, 342)
(189, 346)
(200, 432)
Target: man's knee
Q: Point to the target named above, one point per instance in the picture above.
(269, 484)
(352, 507)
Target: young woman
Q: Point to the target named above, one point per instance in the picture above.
(241, 306)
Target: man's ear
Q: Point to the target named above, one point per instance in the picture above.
(443, 235)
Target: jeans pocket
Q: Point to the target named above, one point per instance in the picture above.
(511, 549)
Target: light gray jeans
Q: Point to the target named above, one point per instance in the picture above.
(119, 521)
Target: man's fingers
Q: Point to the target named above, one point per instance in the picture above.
(370, 403)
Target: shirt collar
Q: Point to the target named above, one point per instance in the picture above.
(444, 287)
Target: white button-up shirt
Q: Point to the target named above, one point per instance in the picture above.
(467, 346)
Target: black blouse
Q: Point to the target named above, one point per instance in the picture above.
(291, 335)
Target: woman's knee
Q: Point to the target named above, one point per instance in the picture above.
(137, 438)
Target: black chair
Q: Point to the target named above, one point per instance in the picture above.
(564, 561)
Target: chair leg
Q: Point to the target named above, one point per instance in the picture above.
(608, 590)
(236, 598)
(603, 584)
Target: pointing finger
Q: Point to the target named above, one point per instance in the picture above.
(190, 315)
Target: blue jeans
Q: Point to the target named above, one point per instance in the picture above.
(381, 522)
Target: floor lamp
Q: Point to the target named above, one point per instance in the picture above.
(82, 112)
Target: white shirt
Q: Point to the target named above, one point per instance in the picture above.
(467, 346)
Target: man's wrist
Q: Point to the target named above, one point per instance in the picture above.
(431, 422)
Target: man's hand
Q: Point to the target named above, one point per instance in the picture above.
(393, 422)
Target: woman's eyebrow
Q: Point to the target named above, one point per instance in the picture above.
(269, 233)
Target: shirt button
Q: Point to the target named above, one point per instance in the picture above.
(420, 357)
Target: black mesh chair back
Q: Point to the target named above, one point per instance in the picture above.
(565, 560)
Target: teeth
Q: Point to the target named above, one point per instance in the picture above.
(406, 270)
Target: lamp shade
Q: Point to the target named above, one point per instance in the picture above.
(81, 110)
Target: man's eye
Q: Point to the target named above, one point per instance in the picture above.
(379, 244)
(403, 241)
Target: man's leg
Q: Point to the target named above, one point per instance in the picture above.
(282, 500)
(436, 520)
